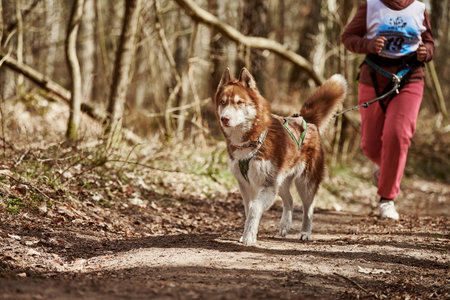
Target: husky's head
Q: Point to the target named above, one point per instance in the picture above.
(240, 108)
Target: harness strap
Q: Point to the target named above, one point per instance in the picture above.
(384, 102)
(253, 144)
(302, 135)
(244, 167)
(377, 68)
(244, 163)
(398, 80)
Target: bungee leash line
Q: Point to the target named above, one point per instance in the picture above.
(396, 79)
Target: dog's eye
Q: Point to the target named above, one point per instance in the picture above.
(222, 102)
(240, 102)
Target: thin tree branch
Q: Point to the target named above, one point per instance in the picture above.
(12, 26)
(63, 94)
(203, 16)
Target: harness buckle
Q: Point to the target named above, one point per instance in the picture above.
(396, 79)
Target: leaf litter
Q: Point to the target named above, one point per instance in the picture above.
(164, 229)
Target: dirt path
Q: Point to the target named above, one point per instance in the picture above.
(352, 255)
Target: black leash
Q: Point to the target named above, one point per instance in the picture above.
(396, 79)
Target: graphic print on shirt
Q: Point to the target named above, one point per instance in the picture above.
(402, 28)
(401, 34)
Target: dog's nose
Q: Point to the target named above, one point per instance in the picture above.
(225, 121)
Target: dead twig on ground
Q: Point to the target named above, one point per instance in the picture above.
(30, 186)
(357, 285)
(22, 157)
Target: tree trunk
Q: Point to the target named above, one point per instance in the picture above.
(87, 48)
(223, 52)
(122, 67)
(297, 79)
(19, 83)
(1, 25)
(53, 15)
(74, 69)
(253, 23)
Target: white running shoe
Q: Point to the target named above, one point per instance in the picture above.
(387, 210)
(375, 175)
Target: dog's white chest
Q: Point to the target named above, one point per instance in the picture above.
(254, 172)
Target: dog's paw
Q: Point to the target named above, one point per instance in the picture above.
(305, 236)
(284, 231)
(285, 223)
(285, 226)
(248, 240)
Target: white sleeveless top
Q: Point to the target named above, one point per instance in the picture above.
(402, 28)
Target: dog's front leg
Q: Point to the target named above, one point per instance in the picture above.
(245, 193)
(256, 207)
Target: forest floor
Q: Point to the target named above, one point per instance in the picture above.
(174, 247)
(82, 223)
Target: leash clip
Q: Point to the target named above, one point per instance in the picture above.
(396, 79)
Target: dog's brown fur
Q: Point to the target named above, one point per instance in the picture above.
(278, 160)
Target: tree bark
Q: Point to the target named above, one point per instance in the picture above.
(223, 51)
(254, 20)
(74, 69)
(87, 48)
(201, 15)
(37, 77)
(12, 25)
(122, 67)
(306, 43)
(1, 25)
(19, 83)
(53, 15)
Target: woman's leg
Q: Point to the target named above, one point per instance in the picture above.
(372, 123)
(399, 127)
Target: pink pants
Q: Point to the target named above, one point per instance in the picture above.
(385, 137)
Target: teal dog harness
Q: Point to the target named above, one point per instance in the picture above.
(294, 125)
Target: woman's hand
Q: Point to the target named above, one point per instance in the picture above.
(376, 45)
(422, 52)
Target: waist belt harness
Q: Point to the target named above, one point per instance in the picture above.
(407, 64)
(398, 80)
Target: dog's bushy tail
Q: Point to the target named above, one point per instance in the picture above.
(324, 102)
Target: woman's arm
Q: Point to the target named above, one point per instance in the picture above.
(353, 35)
(428, 42)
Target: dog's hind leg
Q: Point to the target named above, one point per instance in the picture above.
(307, 190)
(256, 207)
(288, 203)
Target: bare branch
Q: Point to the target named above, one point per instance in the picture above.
(203, 16)
(63, 94)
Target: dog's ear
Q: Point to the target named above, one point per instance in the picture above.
(247, 79)
(226, 77)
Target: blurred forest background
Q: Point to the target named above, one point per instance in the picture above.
(114, 177)
(147, 71)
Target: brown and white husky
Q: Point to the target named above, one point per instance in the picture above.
(268, 152)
